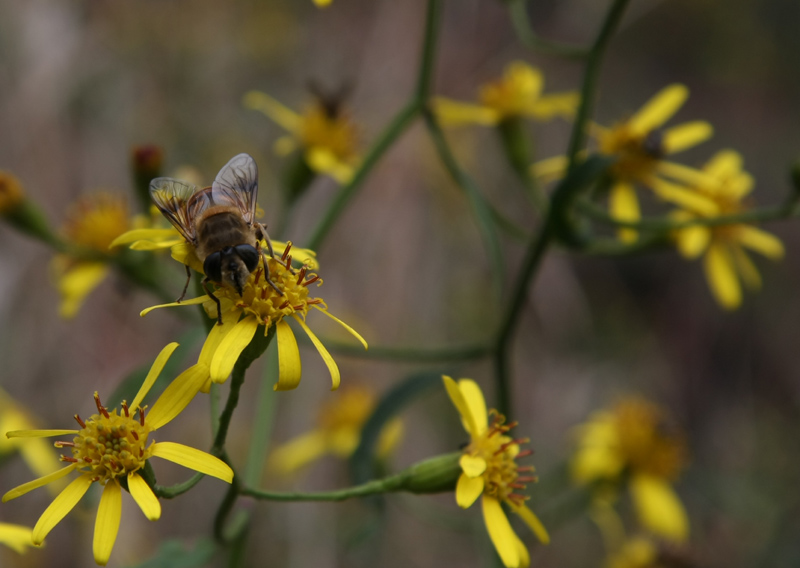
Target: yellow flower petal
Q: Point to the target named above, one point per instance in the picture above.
(144, 496)
(38, 433)
(760, 241)
(745, 268)
(693, 241)
(274, 110)
(721, 276)
(684, 136)
(76, 283)
(549, 169)
(153, 373)
(454, 113)
(624, 205)
(475, 403)
(231, 347)
(289, 365)
(322, 3)
(343, 440)
(685, 197)
(390, 436)
(60, 506)
(153, 245)
(16, 537)
(457, 398)
(177, 395)
(333, 369)
(36, 483)
(217, 334)
(550, 106)
(299, 452)
(473, 466)
(500, 532)
(143, 235)
(285, 145)
(106, 526)
(724, 164)
(659, 109)
(324, 161)
(659, 508)
(184, 253)
(352, 331)
(533, 522)
(192, 458)
(189, 302)
(468, 489)
(686, 175)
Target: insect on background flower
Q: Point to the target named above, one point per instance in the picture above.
(110, 449)
(490, 471)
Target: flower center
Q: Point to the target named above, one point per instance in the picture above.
(109, 445)
(637, 155)
(502, 476)
(334, 132)
(264, 302)
(96, 220)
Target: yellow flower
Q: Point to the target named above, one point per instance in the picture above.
(518, 94)
(11, 192)
(725, 261)
(111, 449)
(92, 224)
(38, 454)
(640, 144)
(636, 552)
(322, 3)
(338, 431)
(261, 305)
(633, 443)
(16, 537)
(489, 470)
(325, 133)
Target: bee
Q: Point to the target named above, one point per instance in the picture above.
(219, 222)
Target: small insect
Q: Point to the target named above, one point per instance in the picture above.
(219, 222)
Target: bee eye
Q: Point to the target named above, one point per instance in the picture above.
(249, 256)
(212, 266)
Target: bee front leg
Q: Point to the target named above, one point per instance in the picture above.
(266, 266)
(264, 235)
(185, 286)
(213, 297)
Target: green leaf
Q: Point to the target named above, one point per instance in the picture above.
(174, 554)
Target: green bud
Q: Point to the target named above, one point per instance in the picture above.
(434, 475)
(516, 143)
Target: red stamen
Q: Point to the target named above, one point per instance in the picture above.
(81, 422)
(313, 302)
(135, 435)
(517, 499)
(524, 453)
(68, 459)
(125, 408)
(141, 452)
(526, 479)
(114, 464)
(286, 250)
(311, 280)
(141, 416)
(64, 444)
(301, 274)
(517, 485)
(100, 408)
(258, 275)
(298, 308)
(526, 468)
(264, 293)
(284, 305)
(87, 459)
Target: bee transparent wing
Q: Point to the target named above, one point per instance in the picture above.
(171, 196)
(237, 183)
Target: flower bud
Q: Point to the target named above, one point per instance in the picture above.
(434, 475)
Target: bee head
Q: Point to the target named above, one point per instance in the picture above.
(231, 265)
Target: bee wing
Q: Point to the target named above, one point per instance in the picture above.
(237, 182)
(172, 196)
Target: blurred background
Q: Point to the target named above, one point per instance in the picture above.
(83, 82)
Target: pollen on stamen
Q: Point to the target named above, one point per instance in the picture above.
(79, 421)
(100, 408)
(60, 444)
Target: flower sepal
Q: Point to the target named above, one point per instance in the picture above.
(434, 475)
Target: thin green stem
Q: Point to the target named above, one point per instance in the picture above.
(374, 487)
(522, 26)
(591, 74)
(409, 354)
(433, 19)
(171, 491)
(262, 423)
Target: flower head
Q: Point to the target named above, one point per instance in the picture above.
(325, 133)
(11, 192)
(110, 449)
(490, 471)
(640, 145)
(262, 305)
(633, 443)
(517, 94)
(338, 431)
(92, 224)
(726, 263)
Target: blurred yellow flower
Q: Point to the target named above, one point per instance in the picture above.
(723, 247)
(325, 134)
(11, 192)
(518, 94)
(640, 146)
(111, 446)
(93, 223)
(632, 443)
(262, 305)
(322, 3)
(38, 454)
(16, 537)
(338, 432)
(490, 471)
(636, 552)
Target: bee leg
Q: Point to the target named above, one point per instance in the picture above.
(266, 268)
(213, 297)
(265, 236)
(185, 286)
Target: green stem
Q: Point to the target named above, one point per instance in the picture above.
(171, 491)
(590, 76)
(433, 17)
(415, 354)
(262, 424)
(522, 26)
(374, 487)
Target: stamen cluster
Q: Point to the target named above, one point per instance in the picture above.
(109, 445)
